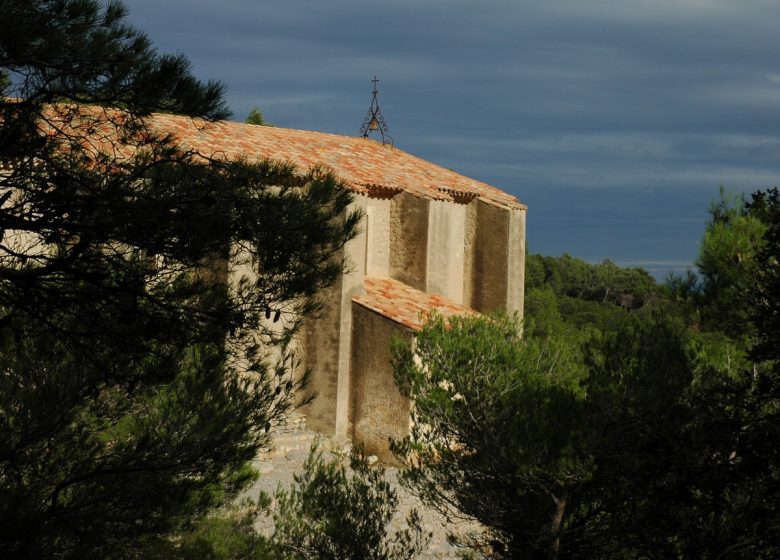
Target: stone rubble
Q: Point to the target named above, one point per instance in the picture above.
(291, 444)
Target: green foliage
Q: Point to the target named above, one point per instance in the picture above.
(569, 313)
(226, 536)
(331, 512)
(335, 514)
(136, 382)
(639, 390)
(497, 426)
(84, 51)
(695, 440)
(728, 265)
(625, 436)
(542, 312)
(605, 282)
(256, 117)
(765, 206)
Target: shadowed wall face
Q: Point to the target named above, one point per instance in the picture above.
(409, 240)
(379, 411)
(326, 340)
(321, 345)
(489, 278)
(494, 242)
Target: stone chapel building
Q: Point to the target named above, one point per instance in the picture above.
(430, 239)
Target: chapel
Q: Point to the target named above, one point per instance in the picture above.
(430, 239)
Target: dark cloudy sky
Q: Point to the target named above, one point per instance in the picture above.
(614, 120)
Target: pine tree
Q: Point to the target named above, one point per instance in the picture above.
(135, 382)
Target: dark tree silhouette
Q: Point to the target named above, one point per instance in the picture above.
(135, 380)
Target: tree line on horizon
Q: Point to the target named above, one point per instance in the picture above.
(630, 419)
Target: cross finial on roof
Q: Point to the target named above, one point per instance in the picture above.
(374, 119)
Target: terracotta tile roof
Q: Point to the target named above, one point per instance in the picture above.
(405, 305)
(366, 166)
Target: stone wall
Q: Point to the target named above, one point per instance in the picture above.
(378, 410)
(377, 229)
(497, 256)
(473, 254)
(445, 248)
(409, 240)
(326, 341)
(321, 339)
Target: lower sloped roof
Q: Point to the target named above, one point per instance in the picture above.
(405, 305)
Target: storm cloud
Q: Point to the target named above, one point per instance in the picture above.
(615, 121)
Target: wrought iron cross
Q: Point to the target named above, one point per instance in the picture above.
(374, 119)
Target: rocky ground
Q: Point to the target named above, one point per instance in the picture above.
(292, 442)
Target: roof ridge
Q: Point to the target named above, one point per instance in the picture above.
(270, 128)
(358, 162)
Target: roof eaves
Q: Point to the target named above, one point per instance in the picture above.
(405, 305)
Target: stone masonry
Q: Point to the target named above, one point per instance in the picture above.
(430, 239)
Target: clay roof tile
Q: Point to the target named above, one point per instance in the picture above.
(405, 305)
(364, 165)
